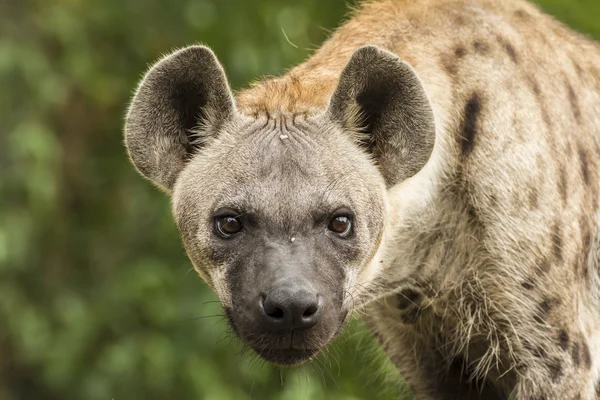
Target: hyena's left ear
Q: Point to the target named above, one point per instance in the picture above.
(181, 102)
(381, 97)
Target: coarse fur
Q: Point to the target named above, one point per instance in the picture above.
(465, 138)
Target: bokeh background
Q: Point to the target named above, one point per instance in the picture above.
(97, 299)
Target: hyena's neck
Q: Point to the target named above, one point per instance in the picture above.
(307, 88)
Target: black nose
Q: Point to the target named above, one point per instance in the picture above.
(290, 305)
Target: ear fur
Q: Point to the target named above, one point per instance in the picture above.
(181, 101)
(380, 97)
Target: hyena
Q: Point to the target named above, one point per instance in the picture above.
(435, 164)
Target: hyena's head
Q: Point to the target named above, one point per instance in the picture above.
(283, 217)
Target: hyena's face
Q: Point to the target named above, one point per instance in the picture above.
(281, 216)
(280, 223)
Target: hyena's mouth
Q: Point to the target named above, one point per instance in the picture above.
(286, 348)
(286, 357)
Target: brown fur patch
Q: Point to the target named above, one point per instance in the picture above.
(460, 52)
(509, 48)
(563, 339)
(407, 298)
(449, 64)
(586, 355)
(543, 310)
(533, 197)
(544, 266)
(575, 354)
(481, 47)
(573, 101)
(522, 14)
(555, 369)
(583, 162)
(562, 184)
(557, 241)
(527, 284)
(537, 92)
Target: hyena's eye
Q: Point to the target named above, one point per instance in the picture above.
(341, 225)
(228, 225)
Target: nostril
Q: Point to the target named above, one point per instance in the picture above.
(270, 310)
(277, 313)
(310, 311)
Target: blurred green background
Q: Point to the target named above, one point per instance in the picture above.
(97, 299)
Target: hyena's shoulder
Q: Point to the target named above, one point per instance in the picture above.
(517, 96)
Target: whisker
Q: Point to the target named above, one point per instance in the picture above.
(203, 317)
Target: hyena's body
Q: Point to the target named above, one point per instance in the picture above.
(484, 258)
(496, 247)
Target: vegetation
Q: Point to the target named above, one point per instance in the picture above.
(97, 300)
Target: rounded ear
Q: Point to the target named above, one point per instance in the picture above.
(180, 103)
(381, 98)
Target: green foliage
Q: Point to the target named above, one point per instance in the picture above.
(97, 300)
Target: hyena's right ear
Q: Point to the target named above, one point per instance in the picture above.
(182, 100)
(380, 97)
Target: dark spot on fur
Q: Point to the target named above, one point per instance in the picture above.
(470, 124)
(557, 241)
(537, 92)
(472, 215)
(459, 20)
(509, 48)
(522, 14)
(460, 52)
(545, 306)
(562, 184)
(406, 298)
(537, 351)
(586, 355)
(542, 312)
(493, 201)
(582, 266)
(586, 242)
(555, 369)
(379, 338)
(540, 352)
(533, 197)
(535, 86)
(573, 101)
(527, 284)
(563, 339)
(575, 354)
(544, 266)
(449, 64)
(411, 316)
(481, 47)
(583, 162)
(578, 69)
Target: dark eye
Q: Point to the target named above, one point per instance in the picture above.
(228, 225)
(341, 225)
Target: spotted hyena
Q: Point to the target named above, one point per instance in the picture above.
(435, 163)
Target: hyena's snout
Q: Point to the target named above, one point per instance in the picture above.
(287, 305)
(290, 305)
